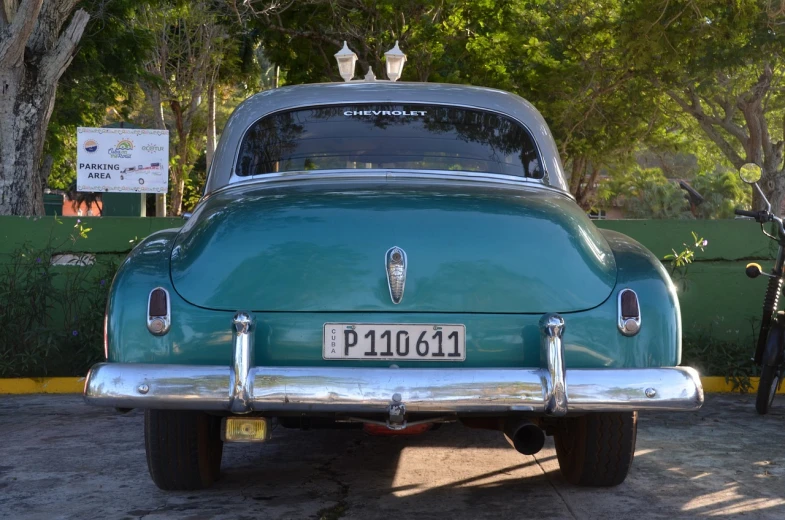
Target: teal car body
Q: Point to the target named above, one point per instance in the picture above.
(297, 278)
(391, 255)
(301, 249)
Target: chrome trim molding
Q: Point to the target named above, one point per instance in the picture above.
(333, 178)
(554, 383)
(242, 362)
(152, 323)
(446, 177)
(629, 326)
(395, 263)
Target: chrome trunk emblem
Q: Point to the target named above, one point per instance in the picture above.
(395, 263)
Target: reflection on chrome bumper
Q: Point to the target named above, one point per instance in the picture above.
(325, 389)
(241, 388)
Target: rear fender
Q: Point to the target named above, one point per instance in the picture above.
(638, 269)
(127, 337)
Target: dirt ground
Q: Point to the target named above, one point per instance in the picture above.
(60, 458)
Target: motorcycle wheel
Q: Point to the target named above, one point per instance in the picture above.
(767, 387)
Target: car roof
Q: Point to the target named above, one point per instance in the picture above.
(360, 92)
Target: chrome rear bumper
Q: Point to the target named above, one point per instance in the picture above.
(325, 389)
(242, 387)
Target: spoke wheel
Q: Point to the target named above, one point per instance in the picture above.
(769, 382)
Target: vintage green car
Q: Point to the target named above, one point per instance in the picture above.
(390, 255)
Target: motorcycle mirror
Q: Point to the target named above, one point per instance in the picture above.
(750, 173)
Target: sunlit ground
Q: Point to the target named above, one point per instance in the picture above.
(62, 459)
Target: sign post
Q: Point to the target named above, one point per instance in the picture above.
(122, 160)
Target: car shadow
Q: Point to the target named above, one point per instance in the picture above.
(704, 464)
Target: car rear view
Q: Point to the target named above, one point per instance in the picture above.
(391, 256)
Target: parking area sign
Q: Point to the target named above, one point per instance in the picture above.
(122, 160)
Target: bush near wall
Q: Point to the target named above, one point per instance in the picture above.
(51, 316)
(55, 275)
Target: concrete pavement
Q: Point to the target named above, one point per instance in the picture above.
(60, 458)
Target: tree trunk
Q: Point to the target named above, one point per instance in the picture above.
(583, 175)
(178, 172)
(584, 195)
(210, 123)
(34, 53)
(576, 172)
(178, 179)
(772, 183)
(153, 96)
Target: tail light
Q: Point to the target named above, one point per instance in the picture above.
(629, 312)
(158, 312)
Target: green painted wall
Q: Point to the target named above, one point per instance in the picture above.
(109, 235)
(717, 297)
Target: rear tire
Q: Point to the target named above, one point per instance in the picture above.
(184, 449)
(596, 449)
(767, 387)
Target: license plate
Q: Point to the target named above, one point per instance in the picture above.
(404, 341)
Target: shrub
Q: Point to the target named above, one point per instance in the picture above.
(51, 316)
(715, 357)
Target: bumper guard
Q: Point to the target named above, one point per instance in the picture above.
(243, 388)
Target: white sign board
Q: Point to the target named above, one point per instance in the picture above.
(122, 160)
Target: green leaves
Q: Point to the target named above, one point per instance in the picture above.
(680, 261)
(109, 60)
(610, 77)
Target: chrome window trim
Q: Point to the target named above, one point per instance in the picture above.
(233, 178)
(629, 326)
(166, 319)
(402, 176)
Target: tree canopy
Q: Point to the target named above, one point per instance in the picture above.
(625, 86)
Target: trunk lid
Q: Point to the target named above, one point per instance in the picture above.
(469, 250)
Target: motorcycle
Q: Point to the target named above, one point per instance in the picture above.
(769, 355)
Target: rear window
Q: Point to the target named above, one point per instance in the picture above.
(385, 136)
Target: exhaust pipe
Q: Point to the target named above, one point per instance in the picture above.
(523, 435)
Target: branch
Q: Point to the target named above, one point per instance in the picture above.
(306, 34)
(706, 124)
(755, 116)
(761, 87)
(57, 60)
(9, 8)
(270, 7)
(53, 15)
(13, 37)
(726, 123)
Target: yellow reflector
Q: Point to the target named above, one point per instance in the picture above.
(246, 429)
